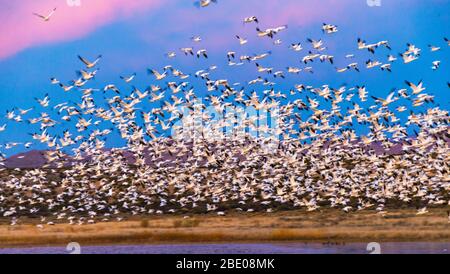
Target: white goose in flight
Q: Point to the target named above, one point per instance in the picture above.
(341, 70)
(412, 49)
(202, 52)
(196, 39)
(317, 44)
(54, 81)
(385, 102)
(296, 46)
(416, 88)
(66, 88)
(45, 18)
(422, 211)
(391, 58)
(434, 48)
(111, 87)
(277, 42)
(204, 3)
(129, 78)
(447, 41)
(386, 67)
(251, 19)
(187, 51)
(329, 28)
(44, 102)
(158, 76)
(436, 65)
(88, 63)
(242, 41)
(408, 58)
(370, 47)
(170, 54)
(85, 74)
(270, 32)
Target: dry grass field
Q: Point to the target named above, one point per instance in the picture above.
(327, 226)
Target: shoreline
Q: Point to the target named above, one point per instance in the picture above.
(297, 226)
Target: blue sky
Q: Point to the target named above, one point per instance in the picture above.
(135, 37)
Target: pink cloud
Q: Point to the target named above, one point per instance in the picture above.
(20, 29)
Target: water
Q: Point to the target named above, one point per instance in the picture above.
(272, 248)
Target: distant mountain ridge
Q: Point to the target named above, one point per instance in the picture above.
(38, 158)
(30, 159)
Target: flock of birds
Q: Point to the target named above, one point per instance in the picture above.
(318, 161)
